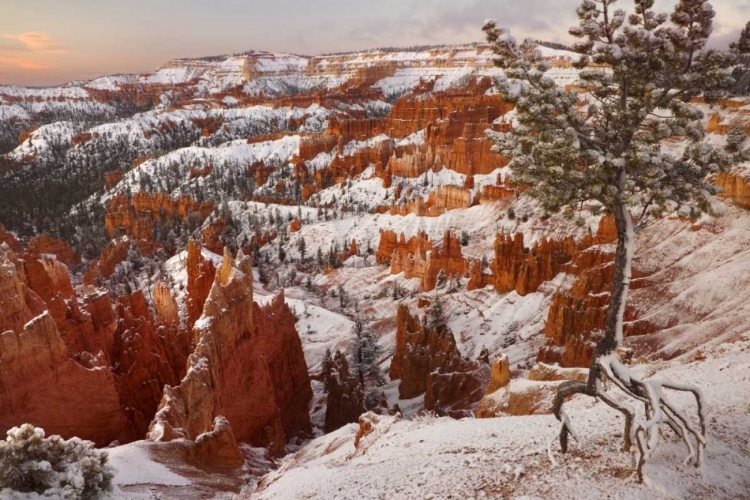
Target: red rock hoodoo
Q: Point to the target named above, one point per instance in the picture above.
(247, 366)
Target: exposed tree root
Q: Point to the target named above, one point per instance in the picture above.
(658, 410)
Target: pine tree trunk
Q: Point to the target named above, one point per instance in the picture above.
(613, 326)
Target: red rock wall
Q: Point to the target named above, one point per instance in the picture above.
(43, 244)
(136, 216)
(417, 258)
(201, 274)
(39, 383)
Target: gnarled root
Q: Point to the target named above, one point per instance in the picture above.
(658, 410)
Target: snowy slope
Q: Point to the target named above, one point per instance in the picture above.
(507, 457)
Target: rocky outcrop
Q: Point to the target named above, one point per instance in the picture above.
(456, 393)
(395, 248)
(446, 257)
(577, 314)
(138, 215)
(417, 258)
(211, 236)
(165, 305)
(39, 382)
(346, 399)
(218, 447)
(516, 267)
(530, 396)
(9, 239)
(500, 375)
(419, 351)
(247, 365)
(427, 361)
(113, 254)
(736, 187)
(146, 356)
(520, 397)
(43, 244)
(200, 278)
(522, 270)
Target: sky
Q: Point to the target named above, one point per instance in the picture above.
(48, 42)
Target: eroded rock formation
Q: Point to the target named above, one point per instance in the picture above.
(39, 382)
(346, 399)
(417, 258)
(736, 187)
(247, 366)
(530, 396)
(427, 361)
(201, 272)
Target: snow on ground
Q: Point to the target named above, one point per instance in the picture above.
(319, 328)
(133, 465)
(701, 282)
(441, 458)
(147, 470)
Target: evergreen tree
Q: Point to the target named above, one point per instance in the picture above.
(736, 136)
(366, 353)
(609, 152)
(441, 279)
(436, 319)
(343, 296)
(742, 46)
(327, 371)
(302, 248)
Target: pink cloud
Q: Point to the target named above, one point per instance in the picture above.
(27, 51)
(21, 62)
(39, 42)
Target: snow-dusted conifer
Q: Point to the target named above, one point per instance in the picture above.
(441, 279)
(51, 467)
(736, 136)
(436, 319)
(366, 354)
(742, 46)
(639, 72)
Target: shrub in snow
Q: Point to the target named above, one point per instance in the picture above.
(736, 135)
(35, 466)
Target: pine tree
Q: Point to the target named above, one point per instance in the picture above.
(742, 46)
(327, 361)
(366, 353)
(736, 136)
(302, 248)
(609, 153)
(436, 319)
(441, 279)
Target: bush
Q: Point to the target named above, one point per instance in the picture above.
(51, 467)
